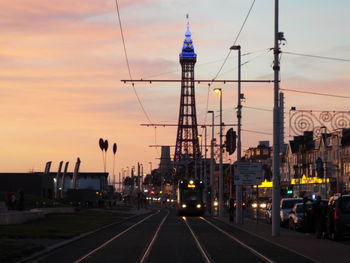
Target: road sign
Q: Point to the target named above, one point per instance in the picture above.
(248, 173)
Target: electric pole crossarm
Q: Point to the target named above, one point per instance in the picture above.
(175, 125)
(224, 81)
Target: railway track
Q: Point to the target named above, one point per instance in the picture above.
(163, 236)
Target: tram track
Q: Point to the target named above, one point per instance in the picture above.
(84, 257)
(150, 245)
(212, 249)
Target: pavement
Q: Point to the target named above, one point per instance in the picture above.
(307, 245)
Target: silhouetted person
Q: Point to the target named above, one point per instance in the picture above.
(306, 216)
(317, 216)
(330, 217)
(20, 200)
(231, 209)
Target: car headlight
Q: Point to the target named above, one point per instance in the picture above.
(254, 205)
(216, 203)
(263, 205)
(184, 205)
(198, 206)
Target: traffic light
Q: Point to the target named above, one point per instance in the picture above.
(209, 190)
(290, 190)
(231, 141)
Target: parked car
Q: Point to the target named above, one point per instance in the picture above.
(338, 217)
(296, 216)
(286, 206)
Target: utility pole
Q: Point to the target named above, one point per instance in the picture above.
(221, 168)
(212, 163)
(239, 188)
(276, 131)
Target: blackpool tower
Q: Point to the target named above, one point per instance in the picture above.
(187, 145)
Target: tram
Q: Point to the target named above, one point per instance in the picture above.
(190, 197)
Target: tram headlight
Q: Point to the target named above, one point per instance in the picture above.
(263, 205)
(184, 205)
(216, 203)
(198, 206)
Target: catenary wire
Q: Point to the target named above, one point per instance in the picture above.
(128, 64)
(317, 93)
(227, 56)
(315, 56)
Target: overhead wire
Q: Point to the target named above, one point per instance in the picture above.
(317, 93)
(227, 56)
(128, 65)
(316, 56)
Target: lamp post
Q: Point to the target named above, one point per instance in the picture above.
(212, 162)
(239, 211)
(221, 176)
(201, 155)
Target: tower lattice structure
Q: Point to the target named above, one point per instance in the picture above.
(187, 144)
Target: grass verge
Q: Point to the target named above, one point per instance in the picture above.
(62, 225)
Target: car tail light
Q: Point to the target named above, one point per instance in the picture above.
(336, 214)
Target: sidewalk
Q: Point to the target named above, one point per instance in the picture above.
(319, 250)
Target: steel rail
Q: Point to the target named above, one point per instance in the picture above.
(81, 259)
(205, 255)
(258, 254)
(145, 255)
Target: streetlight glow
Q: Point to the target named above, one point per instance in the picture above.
(217, 90)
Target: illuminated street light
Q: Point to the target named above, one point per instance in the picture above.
(221, 176)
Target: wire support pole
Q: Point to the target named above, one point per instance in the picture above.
(203, 125)
(276, 132)
(221, 168)
(239, 188)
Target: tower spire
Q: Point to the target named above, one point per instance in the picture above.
(187, 145)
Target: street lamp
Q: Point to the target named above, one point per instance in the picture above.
(221, 176)
(239, 211)
(212, 161)
(201, 155)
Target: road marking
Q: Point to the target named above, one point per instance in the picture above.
(110, 240)
(240, 242)
(153, 239)
(204, 254)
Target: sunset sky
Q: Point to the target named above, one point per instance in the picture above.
(62, 61)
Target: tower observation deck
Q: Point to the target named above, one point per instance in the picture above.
(187, 144)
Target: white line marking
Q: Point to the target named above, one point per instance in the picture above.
(240, 242)
(205, 256)
(110, 240)
(153, 240)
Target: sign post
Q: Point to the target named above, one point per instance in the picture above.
(247, 173)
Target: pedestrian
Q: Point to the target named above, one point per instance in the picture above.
(305, 216)
(20, 200)
(317, 216)
(8, 200)
(330, 217)
(138, 201)
(13, 200)
(231, 209)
